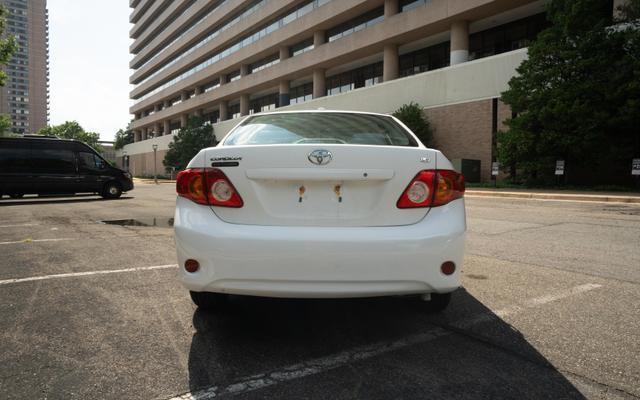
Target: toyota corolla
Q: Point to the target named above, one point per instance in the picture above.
(320, 204)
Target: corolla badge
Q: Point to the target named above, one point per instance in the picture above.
(320, 157)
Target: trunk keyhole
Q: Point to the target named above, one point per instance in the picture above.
(301, 191)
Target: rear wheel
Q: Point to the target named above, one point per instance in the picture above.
(112, 190)
(208, 301)
(437, 303)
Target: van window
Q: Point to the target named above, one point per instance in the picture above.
(53, 161)
(14, 158)
(88, 162)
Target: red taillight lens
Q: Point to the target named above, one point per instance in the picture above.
(220, 190)
(432, 188)
(208, 186)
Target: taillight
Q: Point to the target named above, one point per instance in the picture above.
(432, 188)
(208, 186)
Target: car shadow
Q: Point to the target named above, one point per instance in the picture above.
(471, 353)
(6, 202)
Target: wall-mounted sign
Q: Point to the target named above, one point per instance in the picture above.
(560, 167)
(495, 168)
(635, 166)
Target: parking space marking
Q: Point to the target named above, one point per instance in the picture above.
(86, 273)
(36, 241)
(17, 225)
(323, 364)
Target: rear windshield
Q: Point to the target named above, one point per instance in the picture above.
(305, 128)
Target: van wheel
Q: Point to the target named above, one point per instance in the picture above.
(208, 301)
(438, 303)
(112, 190)
(16, 195)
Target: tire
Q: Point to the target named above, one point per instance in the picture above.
(16, 195)
(438, 303)
(111, 190)
(209, 301)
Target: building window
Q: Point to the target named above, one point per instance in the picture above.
(507, 37)
(360, 77)
(356, 24)
(302, 47)
(426, 59)
(302, 93)
(264, 63)
(234, 110)
(264, 103)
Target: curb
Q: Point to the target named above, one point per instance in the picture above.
(554, 196)
(150, 181)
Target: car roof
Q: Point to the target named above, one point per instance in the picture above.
(320, 110)
(38, 137)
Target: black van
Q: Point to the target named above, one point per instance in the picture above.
(49, 165)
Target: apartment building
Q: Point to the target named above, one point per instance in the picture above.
(25, 96)
(225, 59)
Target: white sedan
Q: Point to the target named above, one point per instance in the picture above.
(320, 204)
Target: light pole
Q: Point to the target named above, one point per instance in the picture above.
(155, 175)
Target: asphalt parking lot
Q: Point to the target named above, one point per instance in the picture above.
(550, 309)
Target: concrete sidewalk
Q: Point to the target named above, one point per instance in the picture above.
(615, 197)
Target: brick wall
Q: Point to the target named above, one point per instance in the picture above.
(464, 131)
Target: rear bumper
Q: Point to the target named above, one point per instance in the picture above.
(279, 261)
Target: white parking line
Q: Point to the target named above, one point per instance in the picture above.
(87, 273)
(36, 241)
(17, 225)
(327, 363)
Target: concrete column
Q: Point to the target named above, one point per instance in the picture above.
(184, 120)
(157, 107)
(198, 90)
(198, 113)
(284, 53)
(459, 42)
(244, 104)
(319, 83)
(167, 127)
(284, 99)
(244, 70)
(144, 133)
(184, 96)
(319, 38)
(137, 136)
(223, 79)
(224, 110)
(156, 129)
(391, 8)
(167, 103)
(391, 62)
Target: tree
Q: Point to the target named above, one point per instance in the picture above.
(188, 142)
(412, 116)
(577, 96)
(5, 126)
(123, 137)
(73, 130)
(8, 46)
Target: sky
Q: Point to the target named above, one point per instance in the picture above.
(89, 64)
